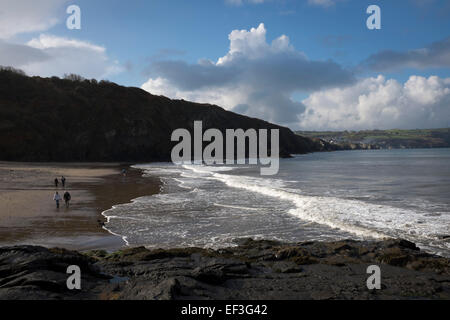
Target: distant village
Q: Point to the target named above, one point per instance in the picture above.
(384, 139)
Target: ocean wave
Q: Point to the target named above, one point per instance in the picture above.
(191, 193)
(363, 219)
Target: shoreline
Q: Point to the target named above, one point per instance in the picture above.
(34, 266)
(28, 214)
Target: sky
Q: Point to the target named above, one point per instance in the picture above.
(305, 64)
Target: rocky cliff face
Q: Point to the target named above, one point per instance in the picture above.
(50, 119)
(252, 270)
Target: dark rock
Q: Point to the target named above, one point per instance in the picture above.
(402, 243)
(313, 270)
(37, 273)
(286, 267)
(295, 254)
(393, 256)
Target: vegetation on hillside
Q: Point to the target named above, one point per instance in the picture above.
(385, 139)
(74, 119)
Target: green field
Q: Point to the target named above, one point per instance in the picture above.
(384, 139)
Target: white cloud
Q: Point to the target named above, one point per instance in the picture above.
(377, 103)
(21, 16)
(49, 55)
(48, 41)
(259, 78)
(252, 45)
(255, 77)
(322, 3)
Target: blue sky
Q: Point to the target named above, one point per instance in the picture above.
(157, 45)
(135, 31)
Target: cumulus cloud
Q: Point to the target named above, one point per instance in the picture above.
(436, 55)
(255, 77)
(21, 16)
(378, 103)
(49, 55)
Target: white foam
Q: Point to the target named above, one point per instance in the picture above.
(108, 218)
(364, 219)
(360, 218)
(202, 169)
(182, 184)
(235, 207)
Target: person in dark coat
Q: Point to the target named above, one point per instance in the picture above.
(67, 197)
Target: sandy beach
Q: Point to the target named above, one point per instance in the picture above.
(28, 214)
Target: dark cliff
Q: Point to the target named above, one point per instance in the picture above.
(52, 119)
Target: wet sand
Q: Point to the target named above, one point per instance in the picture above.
(28, 214)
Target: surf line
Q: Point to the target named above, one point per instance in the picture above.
(213, 152)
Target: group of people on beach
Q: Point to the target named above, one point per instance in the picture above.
(63, 182)
(57, 198)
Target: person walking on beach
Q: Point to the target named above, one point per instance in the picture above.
(56, 182)
(63, 181)
(67, 198)
(57, 198)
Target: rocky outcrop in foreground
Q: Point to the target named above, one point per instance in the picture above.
(251, 270)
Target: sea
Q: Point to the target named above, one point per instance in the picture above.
(326, 196)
